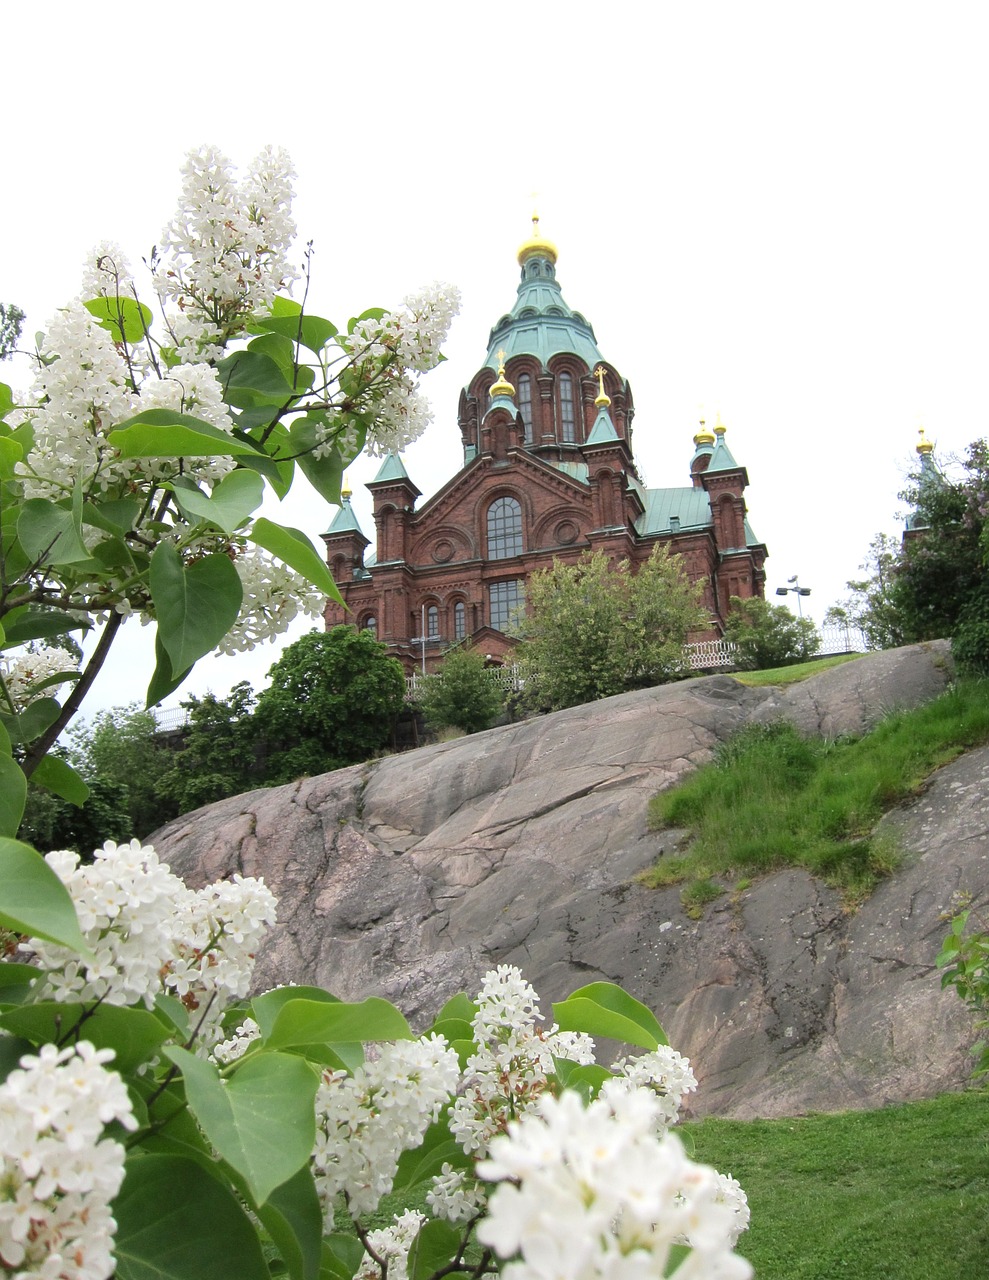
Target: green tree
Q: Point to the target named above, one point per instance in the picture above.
(596, 628)
(463, 694)
(872, 604)
(122, 759)
(768, 635)
(941, 586)
(333, 699)
(11, 319)
(218, 754)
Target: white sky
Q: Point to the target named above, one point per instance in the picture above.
(771, 211)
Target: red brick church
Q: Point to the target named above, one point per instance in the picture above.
(548, 473)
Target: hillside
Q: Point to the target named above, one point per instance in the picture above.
(411, 876)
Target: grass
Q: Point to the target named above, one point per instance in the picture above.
(896, 1194)
(772, 799)
(792, 675)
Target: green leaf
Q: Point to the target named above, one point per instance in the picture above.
(302, 1022)
(247, 375)
(125, 319)
(342, 1256)
(173, 1013)
(134, 1034)
(6, 399)
(32, 722)
(31, 623)
(176, 1222)
(313, 331)
(13, 795)
(196, 604)
(435, 1245)
(12, 1050)
(325, 474)
(163, 682)
(15, 984)
(163, 433)
(114, 515)
(260, 1120)
(604, 1009)
(57, 776)
(436, 1149)
(265, 1008)
(452, 1029)
(11, 454)
(51, 532)
(33, 900)
(293, 548)
(585, 1080)
(293, 1217)
(232, 500)
(460, 1007)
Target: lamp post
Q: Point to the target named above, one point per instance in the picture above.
(798, 591)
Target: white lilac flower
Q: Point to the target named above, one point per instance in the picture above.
(667, 1073)
(23, 672)
(594, 1192)
(402, 415)
(236, 1046)
(81, 394)
(149, 934)
(274, 595)
(392, 1245)
(58, 1174)
(107, 273)
(365, 1121)
(225, 252)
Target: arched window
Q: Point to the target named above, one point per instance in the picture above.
(568, 419)
(432, 622)
(504, 529)
(370, 623)
(505, 600)
(459, 620)
(525, 404)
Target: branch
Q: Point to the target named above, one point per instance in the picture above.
(47, 740)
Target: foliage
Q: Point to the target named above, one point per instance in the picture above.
(229, 1132)
(132, 470)
(122, 761)
(595, 628)
(11, 319)
(463, 694)
(896, 1193)
(768, 635)
(217, 755)
(935, 584)
(772, 798)
(964, 957)
(872, 606)
(332, 701)
(261, 1122)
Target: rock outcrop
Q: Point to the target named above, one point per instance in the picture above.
(410, 876)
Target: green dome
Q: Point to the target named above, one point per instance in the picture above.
(541, 324)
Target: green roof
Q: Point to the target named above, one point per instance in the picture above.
(541, 324)
(721, 456)
(345, 521)
(603, 429)
(690, 507)
(393, 468)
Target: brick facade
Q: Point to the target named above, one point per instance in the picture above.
(548, 474)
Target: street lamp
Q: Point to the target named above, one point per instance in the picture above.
(798, 591)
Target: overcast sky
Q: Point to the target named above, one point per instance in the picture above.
(771, 211)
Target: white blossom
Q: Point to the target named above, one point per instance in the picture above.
(366, 1120)
(594, 1192)
(58, 1175)
(392, 1245)
(274, 595)
(23, 672)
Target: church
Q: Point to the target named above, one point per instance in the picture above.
(548, 473)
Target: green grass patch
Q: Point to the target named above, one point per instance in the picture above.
(772, 799)
(896, 1194)
(792, 675)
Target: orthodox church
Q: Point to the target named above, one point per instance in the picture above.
(548, 473)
